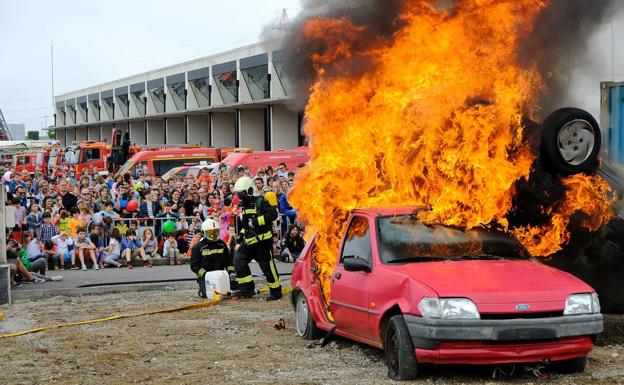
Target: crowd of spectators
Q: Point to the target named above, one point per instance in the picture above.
(101, 221)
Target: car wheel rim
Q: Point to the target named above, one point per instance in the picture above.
(576, 141)
(302, 316)
(392, 355)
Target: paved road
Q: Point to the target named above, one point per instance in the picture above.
(123, 279)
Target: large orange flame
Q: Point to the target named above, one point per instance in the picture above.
(435, 119)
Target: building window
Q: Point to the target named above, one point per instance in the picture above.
(158, 98)
(178, 95)
(138, 97)
(257, 79)
(201, 91)
(226, 84)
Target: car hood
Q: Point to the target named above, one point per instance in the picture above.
(498, 282)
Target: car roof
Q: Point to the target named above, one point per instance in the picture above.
(166, 153)
(385, 211)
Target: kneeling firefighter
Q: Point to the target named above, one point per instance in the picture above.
(210, 254)
(256, 239)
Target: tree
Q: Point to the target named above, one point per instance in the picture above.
(32, 135)
(51, 134)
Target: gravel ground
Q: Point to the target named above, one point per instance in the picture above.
(233, 342)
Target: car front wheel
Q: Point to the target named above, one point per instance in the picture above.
(399, 350)
(304, 323)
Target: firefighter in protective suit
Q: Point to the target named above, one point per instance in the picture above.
(210, 254)
(256, 241)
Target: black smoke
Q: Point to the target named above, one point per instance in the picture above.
(562, 30)
(378, 18)
(560, 40)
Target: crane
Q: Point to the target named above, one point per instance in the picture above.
(4, 129)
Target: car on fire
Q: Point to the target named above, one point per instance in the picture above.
(435, 294)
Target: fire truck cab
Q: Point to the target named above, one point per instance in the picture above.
(30, 161)
(87, 155)
(101, 156)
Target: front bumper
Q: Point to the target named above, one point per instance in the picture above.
(512, 340)
(428, 332)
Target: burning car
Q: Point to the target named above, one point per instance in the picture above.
(439, 294)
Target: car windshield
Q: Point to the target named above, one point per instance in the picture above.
(405, 239)
(171, 173)
(125, 168)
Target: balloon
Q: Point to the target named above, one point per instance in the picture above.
(138, 186)
(7, 177)
(168, 227)
(132, 206)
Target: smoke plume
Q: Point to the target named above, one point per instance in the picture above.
(558, 43)
(561, 41)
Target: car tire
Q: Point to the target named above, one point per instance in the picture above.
(399, 350)
(574, 365)
(305, 327)
(570, 142)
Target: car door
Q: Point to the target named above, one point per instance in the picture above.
(349, 289)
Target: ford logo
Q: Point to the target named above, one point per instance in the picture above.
(523, 307)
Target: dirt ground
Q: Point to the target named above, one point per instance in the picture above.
(233, 342)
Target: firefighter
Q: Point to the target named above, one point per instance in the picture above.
(210, 254)
(256, 241)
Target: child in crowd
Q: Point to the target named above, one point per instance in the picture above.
(33, 246)
(48, 229)
(34, 219)
(84, 246)
(131, 247)
(109, 210)
(63, 242)
(183, 241)
(63, 222)
(196, 239)
(96, 239)
(19, 213)
(230, 239)
(170, 250)
(112, 253)
(75, 222)
(49, 253)
(149, 244)
(182, 224)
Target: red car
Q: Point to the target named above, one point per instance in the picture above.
(438, 294)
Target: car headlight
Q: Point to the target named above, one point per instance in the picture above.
(449, 308)
(586, 303)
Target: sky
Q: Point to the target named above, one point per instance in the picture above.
(100, 41)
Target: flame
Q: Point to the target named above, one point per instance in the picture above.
(431, 116)
(588, 196)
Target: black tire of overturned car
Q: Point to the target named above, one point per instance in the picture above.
(571, 366)
(582, 129)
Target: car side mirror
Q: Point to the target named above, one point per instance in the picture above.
(352, 263)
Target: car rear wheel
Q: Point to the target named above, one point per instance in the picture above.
(399, 350)
(574, 365)
(305, 326)
(570, 142)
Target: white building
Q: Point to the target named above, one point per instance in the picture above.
(237, 98)
(17, 131)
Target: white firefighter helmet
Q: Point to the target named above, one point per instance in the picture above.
(210, 229)
(243, 184)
